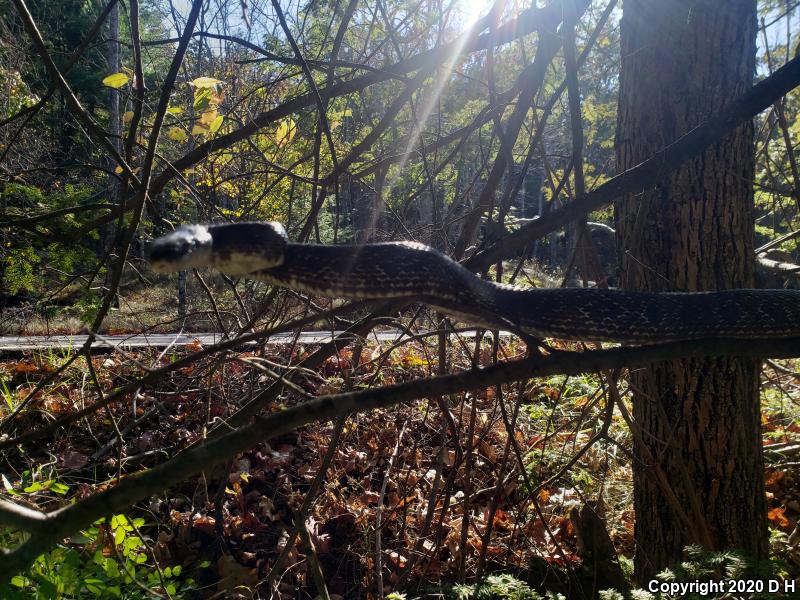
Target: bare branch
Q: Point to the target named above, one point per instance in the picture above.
(649, 173)
(531, 82)
(22, 517)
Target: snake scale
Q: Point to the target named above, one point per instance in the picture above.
(420, 273)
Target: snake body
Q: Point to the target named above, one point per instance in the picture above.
(417, 272)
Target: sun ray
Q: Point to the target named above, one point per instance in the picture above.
(444, 71)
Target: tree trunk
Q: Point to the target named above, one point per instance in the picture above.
(107, 232)
(699, 420)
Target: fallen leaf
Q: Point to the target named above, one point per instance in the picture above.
(777, 517)
(73, 460)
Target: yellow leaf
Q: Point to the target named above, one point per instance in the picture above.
(285, 132)
(199, 129)
(215, 124)
(127, 116)
(115, 80)
(174, 110)
(118, 170)
(206, 82)
(208, 116)
(177, 134)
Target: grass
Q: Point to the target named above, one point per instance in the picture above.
(141, 307)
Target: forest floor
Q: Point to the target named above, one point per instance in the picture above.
(441, 506)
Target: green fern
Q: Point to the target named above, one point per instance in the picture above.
(496, 587)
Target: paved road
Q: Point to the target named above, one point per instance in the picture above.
(162, 340)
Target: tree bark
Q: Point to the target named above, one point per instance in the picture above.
(114, 123)
(699, 420)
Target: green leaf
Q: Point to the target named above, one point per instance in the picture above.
(176, 571)
(81, 538)
(111, 568)
(115, 80)
(7, 396)
(202, 99)
(170, 589)
(59, 488)
(94, 585)
(34, 487)
(174, 110)
(47, 589)
(215, 124)
(119, 535)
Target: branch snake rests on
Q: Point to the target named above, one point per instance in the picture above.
(413, 271)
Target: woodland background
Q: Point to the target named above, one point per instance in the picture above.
(492, 133)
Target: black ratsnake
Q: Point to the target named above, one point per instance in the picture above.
(420, 273)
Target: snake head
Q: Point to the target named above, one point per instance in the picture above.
(185, 248)
(236, 249)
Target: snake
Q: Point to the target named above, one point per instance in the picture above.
(419, 273)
